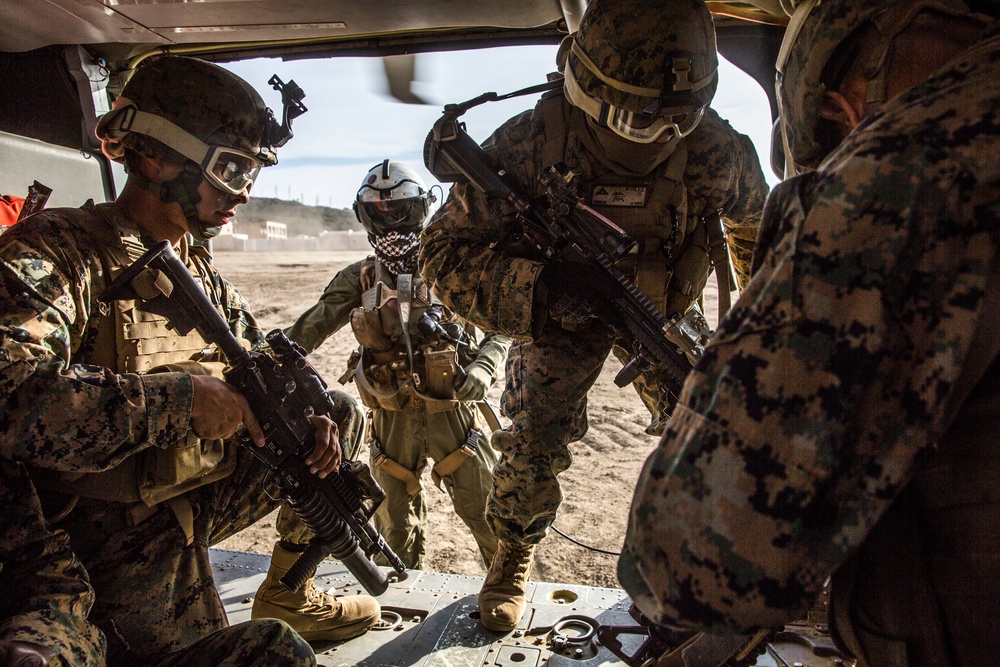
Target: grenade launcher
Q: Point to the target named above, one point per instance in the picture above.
(283, 390)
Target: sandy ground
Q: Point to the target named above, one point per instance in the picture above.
(597, 488)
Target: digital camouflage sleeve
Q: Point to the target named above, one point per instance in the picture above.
(490, 288)
(724, 174)
(55, 411)
(47, 595)
(815, 399)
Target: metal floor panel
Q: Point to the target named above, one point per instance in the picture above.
(432, 620)
(438, 622)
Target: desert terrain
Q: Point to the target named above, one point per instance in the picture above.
(597, 488)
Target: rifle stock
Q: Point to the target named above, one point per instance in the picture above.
(283, 390)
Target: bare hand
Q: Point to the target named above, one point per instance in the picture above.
(218, 410)
(326, 454)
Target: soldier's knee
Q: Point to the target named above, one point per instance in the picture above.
(278, 642)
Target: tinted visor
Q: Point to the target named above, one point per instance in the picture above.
(387, 215)
(229, 169)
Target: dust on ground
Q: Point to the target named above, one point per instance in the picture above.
(597, 488)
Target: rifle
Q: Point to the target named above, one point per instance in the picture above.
(283, 390)
(571, 230)
(667, 647)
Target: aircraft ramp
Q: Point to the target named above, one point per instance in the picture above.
(431, 620)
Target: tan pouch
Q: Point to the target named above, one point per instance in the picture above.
(367, 329)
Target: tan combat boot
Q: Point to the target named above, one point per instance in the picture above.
(501, 600)
(316, 616)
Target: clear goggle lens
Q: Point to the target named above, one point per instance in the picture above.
(642, 128)
(230, 170)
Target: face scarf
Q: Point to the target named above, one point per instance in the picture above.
(623, 157)
(397, 251)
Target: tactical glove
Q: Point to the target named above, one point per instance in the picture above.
(478, 378)
(569, 295)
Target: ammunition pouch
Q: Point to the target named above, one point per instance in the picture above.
(384, 380)
(367, 328)
(155, 475)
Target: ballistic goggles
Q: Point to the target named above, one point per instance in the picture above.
(229, 169)
(643, 127)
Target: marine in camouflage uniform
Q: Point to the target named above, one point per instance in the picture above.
(408, 426)
(666, 190)
(47, 595)
(115, 413)
(842, 421)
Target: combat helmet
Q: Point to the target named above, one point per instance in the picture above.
(188, 110)
(392, 198)
(806, 63)
(640, 67)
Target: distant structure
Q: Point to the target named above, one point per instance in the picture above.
(264, 230)
(272, 236)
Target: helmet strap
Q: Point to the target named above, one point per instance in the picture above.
(182, 190)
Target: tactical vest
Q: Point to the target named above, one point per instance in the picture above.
(127, 339)
(671, 263)
(398, 366)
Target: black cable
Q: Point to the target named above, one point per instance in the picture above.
(585, 546)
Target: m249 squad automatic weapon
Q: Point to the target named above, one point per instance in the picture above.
(570, 230)
(283, 391)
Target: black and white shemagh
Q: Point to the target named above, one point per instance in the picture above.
(397, 252)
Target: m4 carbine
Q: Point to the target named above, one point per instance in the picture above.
(570, 230)
(283, 391)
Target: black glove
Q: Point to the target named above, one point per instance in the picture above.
(569, 294)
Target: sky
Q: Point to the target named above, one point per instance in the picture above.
(352, 122)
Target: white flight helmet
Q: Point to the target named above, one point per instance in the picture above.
(392, 198)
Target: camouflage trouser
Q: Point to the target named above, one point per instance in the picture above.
(262, 643)
(410, 437)
(156, 596)
(46, 592)
(546, 400)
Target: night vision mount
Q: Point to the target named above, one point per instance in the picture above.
(291, 100)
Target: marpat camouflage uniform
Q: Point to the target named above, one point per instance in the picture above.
(413, 434)
(46, 592)
(491, 286)
(154, 595)
(820, 417)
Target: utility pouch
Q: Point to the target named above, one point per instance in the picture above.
(189, 463)
(689, 272)
(190, 458)
(440, 368)
(367, 328)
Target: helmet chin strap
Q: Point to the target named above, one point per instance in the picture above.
(183, 189)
